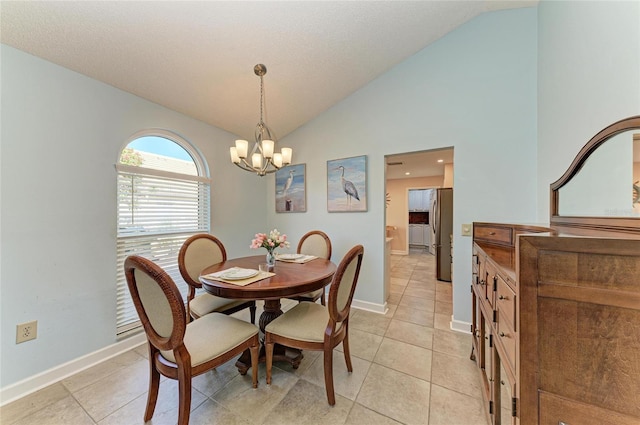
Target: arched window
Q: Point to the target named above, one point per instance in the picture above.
(163, 198)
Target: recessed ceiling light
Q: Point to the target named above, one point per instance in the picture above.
(441, 160)
(407, 173)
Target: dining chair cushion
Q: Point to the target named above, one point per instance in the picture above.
(348, 281)
(155, 304)
(204, 304)
(211, 336)
(306, 321)
(202, 252)
(314, 245)
(314, 294)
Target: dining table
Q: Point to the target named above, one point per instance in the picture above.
(288, 279)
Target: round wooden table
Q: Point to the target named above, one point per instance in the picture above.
(290, 279)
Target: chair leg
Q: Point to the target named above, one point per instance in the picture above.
(252, 311)
(268, 348)
(347, 353)
(255, 354)
(322, 297)
(154, 385)
(328, 376)
(184, 395)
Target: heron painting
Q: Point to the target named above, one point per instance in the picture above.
(347, 184)
(291, 189)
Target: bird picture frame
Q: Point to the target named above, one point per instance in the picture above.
(347, 184)
(291, 189)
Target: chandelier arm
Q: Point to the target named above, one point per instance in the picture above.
(247, 167)
(262, 171)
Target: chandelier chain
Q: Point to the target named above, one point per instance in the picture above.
(261, 98)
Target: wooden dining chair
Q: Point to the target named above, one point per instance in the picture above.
(197, 253)
(315, 243)
(311, 326)
(177, 349)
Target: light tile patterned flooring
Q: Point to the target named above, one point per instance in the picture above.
(408, 368)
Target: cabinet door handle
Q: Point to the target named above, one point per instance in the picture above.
(492, 233)
(501, 382)
(502, 334)
(502, 297)
(562, 423)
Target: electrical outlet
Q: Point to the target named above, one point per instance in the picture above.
(466, 229)
(26, 331)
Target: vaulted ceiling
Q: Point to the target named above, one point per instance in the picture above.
(197, 58)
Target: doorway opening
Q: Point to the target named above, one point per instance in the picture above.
(419, 211)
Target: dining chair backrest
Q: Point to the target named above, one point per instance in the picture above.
(315, 243)
(197, 253)
(157, 301)
(344, 283)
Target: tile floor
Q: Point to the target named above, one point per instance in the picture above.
(408, 368)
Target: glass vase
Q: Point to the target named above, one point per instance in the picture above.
(271, 258)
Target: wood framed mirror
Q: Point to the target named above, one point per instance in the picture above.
(600, 191)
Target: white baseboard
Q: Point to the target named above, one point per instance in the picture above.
(399, 252)
(460, 326)
(44, 379)
(365, 305)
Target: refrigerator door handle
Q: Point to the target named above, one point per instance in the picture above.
(433, 214)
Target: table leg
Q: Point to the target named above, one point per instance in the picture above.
(280, 353)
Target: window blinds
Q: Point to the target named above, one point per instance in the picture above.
(157, 212)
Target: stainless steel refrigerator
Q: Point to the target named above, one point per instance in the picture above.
(441, 218)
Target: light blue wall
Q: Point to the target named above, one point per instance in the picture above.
(61, 135)
(588, 78)
(479, 89)
(475, 90)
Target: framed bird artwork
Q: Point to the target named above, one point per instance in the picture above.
(347, 184)
(291, 189)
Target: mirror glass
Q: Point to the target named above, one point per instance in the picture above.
(608, 184)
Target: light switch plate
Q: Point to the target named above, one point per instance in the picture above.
(466, 229)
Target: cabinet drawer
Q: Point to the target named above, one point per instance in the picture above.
(475, 261)
(555, 410)
(477, 267)
(507, 338)
(496, 234)
(491, 274)
(506, 303)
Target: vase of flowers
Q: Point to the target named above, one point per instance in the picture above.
(270, 242)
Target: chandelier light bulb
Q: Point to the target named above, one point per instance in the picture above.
(242, 147)
(234, 155)
(267, 148)
(286, 155)
(277, 160)
(256, 160)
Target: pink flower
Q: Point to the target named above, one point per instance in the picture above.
(271, 241)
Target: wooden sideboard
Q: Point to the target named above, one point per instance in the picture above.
(556, 325)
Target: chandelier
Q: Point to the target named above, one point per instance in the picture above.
(263, 158)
